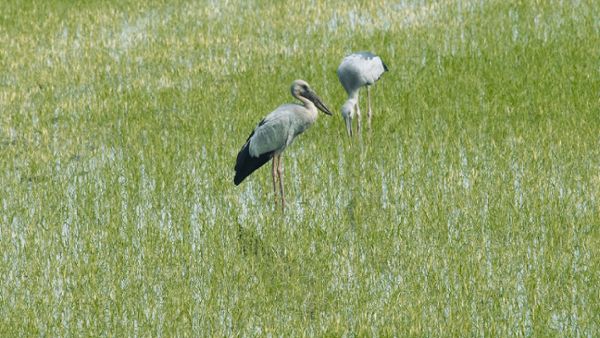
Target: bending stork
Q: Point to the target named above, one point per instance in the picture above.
(358, 70)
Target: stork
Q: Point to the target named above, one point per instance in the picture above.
(275, 133)
(358, 70)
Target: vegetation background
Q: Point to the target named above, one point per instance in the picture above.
(471, 209)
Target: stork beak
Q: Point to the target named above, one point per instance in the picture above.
(348, 120)
(311, 95)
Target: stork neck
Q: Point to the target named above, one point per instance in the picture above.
(353, 95)
(308, 104)
(352, 100)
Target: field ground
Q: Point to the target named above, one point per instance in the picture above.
(471, 209)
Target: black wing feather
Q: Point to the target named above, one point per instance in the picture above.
(246, 164)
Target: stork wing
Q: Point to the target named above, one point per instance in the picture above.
(271, 134)
(268, 137)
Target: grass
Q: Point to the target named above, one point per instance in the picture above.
(471, 209)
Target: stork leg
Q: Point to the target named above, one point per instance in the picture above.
(358, 128)
(274, 173)
(280, 174)
(369, 112)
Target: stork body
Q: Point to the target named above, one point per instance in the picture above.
(358, 70)
(275, 133)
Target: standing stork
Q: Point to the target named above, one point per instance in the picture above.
(277, 131)
(358, 70)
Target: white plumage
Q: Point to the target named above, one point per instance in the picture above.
(277, 131)
(358, 70)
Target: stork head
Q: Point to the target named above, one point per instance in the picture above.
(301, 89)
(348, 111)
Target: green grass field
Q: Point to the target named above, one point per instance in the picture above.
(471, 209)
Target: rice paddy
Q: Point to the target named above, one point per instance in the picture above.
(472, 208)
